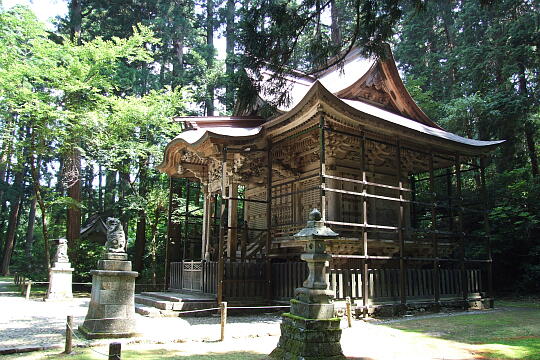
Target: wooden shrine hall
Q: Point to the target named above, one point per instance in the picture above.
(398, 189)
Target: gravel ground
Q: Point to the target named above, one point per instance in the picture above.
(35, 323)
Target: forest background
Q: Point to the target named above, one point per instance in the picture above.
(87, 108)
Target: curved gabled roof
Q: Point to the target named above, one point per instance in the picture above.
(387, 120)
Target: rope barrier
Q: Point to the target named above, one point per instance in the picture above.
(259, 307)
(86, 342)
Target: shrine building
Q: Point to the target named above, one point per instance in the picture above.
(397, 188)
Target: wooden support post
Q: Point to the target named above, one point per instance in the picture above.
(243, 244)
(115, 351)
(268, 220)
(322, 165)
(487, 230)
(185, 240)
(168, 240)
(28, 289)
(205, 224)
(401, 235)
(464, 283)
(348, 311)
(15, 275)
(223, 312)
(222, 227)
(434, 239)
(365, 270)
(232, 220)
(69, 335)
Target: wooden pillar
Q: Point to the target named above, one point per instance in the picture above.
(487, 230)
(222, 226)
(205, 237)
(434, 238)
(268, 220)
(460, 229)
(169, 235)
(232, 221)
(401, 235)
(185, 254)
(322, 165)
(365, 270)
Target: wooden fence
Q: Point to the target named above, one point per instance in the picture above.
(247, 281)
(383, 283)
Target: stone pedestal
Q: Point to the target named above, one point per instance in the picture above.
(111, 313)
(60, 282)
(311, 331)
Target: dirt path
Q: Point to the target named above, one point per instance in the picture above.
(33, 323)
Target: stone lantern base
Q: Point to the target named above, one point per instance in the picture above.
(111, 313)
(309, 339)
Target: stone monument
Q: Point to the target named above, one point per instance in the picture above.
(111, 313)
(311, 331)
(60, 275)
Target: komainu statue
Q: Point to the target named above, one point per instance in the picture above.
(61, 251)
(116, 239)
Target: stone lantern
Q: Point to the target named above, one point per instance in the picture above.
(311, 331)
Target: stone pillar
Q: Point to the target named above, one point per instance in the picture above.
(111, 313)
(311, 331)
(60, 275)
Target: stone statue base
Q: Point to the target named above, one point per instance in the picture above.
(111, 313)
(60, 282)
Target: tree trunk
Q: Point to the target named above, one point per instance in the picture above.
(124, 190)
(529, 127)
(12, 224)
(229, 49)
(153, 231)
(75, 21)
(334, 26)
(140, 236)
(30, 232)
(209, 103)
(100, 189)
(73, 184)
(531, 148)
(110, 191)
